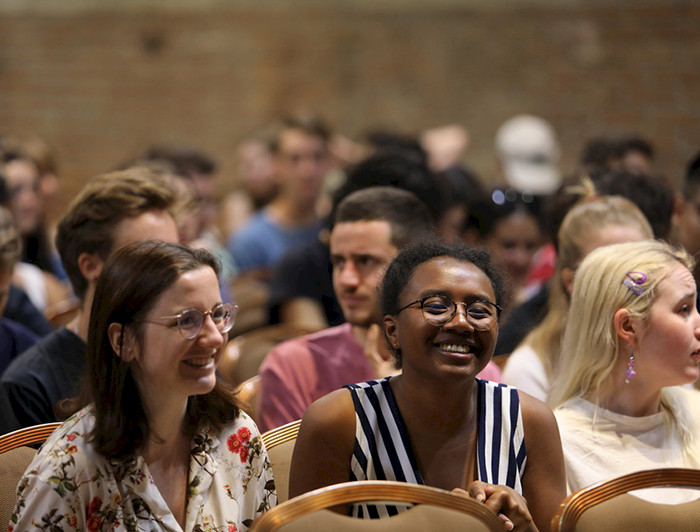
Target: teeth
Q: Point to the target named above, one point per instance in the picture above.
(457, 348)
(198, 362)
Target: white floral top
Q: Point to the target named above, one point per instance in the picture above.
(69, 486)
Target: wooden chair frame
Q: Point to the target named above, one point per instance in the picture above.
(281, 461)
(578, 502)
(372, 490)
(26, 436)
(280, 435)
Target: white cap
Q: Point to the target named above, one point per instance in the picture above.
(529, 153)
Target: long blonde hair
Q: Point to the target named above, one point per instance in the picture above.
(591, 345)
(580, 225)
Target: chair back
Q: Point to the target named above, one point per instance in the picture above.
(15, 458)
(608, 506)
(247, 393)
(435, 509)
(244, 354)
(280, 443)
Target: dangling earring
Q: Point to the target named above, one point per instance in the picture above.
(629, 372)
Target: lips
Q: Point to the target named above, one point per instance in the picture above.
(199, 362)
(455, 348)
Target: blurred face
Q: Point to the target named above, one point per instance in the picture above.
(668, 344)
(513, 243)
(360, 251)
(301, 165)
(25, 200)
(454, 349)
(168, 365)
(255, 170)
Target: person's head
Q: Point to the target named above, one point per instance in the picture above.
(686, 215)
(507, 223)
(638, 298)
(371, 225)
(592, 223)
(595, 223)
(454, 272)
(255, 169)
(10, 254)
(112, 210)
(301, 158)
(528, 152)
(652, 194)
(157, 331)
(22, 178)
(636, 154)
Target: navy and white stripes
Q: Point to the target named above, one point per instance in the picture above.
(383, 450)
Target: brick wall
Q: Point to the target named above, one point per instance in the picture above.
(100, 84)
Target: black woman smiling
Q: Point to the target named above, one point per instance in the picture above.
(436, 423)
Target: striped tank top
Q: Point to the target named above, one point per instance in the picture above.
(383, 448)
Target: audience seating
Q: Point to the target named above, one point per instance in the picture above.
(435, 509)
(279, 443)
(251, 295)
(244, 354)
(247, 394)
(608, 506)
(15, 457)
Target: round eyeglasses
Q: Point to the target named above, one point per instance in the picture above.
(190, 321)
(439, 310)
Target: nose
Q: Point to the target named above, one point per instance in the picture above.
(460, 321)
(209, 334)
(348, 275)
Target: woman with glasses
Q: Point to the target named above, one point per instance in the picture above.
(161, 443)
(436, 423)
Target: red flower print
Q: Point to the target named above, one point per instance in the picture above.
(94, 523)
(244, 454)
(234, 444)
(244, 433)
(95, 505)
(71, 436)
(232, 528)
(72, 449)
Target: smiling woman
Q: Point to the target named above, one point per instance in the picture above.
(161, 442)
(437, 423)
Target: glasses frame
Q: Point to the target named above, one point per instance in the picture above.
(455, 304)
(205, 313)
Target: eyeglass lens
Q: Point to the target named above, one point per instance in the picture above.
(438, 310)
(190, 321)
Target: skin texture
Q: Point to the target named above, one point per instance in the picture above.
(436, 394)
(666, 347)
(23, 184)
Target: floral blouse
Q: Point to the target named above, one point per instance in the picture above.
(69, 486)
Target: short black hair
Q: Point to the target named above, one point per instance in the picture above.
(691, 180)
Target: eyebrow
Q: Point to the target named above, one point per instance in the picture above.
(471, 298)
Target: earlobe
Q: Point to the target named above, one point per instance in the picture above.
(390, 331)
(567, 280)
(625, 326)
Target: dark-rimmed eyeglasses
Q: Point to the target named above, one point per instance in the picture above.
(190, 321)
(439, 310)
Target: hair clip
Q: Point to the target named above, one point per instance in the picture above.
(634, 281)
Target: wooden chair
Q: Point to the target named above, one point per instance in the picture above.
(15, 457)
(435, 509)
(251, 296)
(247, 393)
(244, 354)
(280, 443)
(608, 506)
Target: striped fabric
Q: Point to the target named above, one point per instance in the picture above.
(383, 447)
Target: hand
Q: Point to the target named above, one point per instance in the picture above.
(504, 501)
(377, 353)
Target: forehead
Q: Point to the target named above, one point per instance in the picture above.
(294, 140)
(150, 225)
(460, 279)
(20, 170)
(361, 237)
(677, 283)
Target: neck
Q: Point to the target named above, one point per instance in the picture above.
(359, 333)
(636, 398)
(166, 421)
(287, 212)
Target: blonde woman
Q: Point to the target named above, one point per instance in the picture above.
(635, 339)
(589, 225)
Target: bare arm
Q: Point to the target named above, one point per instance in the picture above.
(325, 444)
(544, 481)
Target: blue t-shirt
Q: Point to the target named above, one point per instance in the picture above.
(261, 243)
